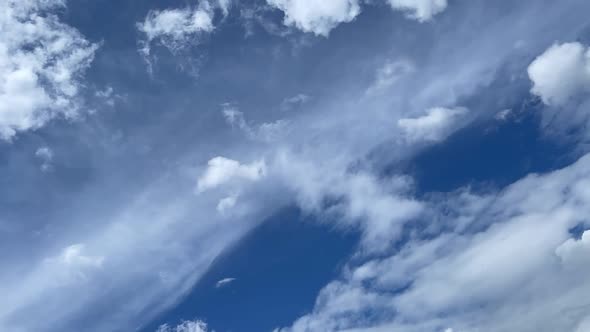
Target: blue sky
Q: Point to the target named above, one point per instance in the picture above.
(294, 165)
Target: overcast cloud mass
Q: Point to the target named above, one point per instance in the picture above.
(294, 166)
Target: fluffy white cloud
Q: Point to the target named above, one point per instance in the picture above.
(175, 28)
(504, 263)
(421, 10)
(222, 170)
(378, 207)
(318, 17)
(560, 73)
(186, 326)
(434, 126)
(41, 61)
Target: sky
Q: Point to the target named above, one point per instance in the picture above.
(294, 166)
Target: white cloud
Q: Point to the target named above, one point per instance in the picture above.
(421, 10)
(504, 263)
(293, 102)
(41, 60)
(45, 155)
(224, 282)
(561, 73)
(222, 170)
(175, 28)
(73, 256)
(226, 204)
(434, 126)
(186, 326)
(390, 73)
(318, 17)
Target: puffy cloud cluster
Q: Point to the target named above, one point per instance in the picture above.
(186, 326)
(222, 170)
(318, 17)
(174, 28)
(41, 61)
(561, 73)
(505, 262)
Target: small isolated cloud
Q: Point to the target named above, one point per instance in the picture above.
(45, 155)
(389, 74)
(222, 170)
(420, 10)
(224, 282)
(226, 204)
(561, 73)
(436, 125)
(318, 17)
(293, 102)
(41, 61)
(186, 326)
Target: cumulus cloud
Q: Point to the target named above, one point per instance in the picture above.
(41, 61)
(561, 73)
(186, 326)
(435, 125)
(175, 28)
(222, 170)
(318, 17)
(504, 263)
(420, 10)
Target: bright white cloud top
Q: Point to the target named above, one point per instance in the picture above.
(561, 73)
(222, 170)
(434, 126)
(318, 17)
(41, 62)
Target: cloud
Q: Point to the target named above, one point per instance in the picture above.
(41, 62)
(561, 73)
(420, 10)
(175, 28)
(390, 73)
(293, 102)
(505, 262)
(318, 17)
(226, 204)
(434, 126)
(265, 132)
(45, 155)
(222, 170)
(73, 256)
(186, 326)
(224, 282)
